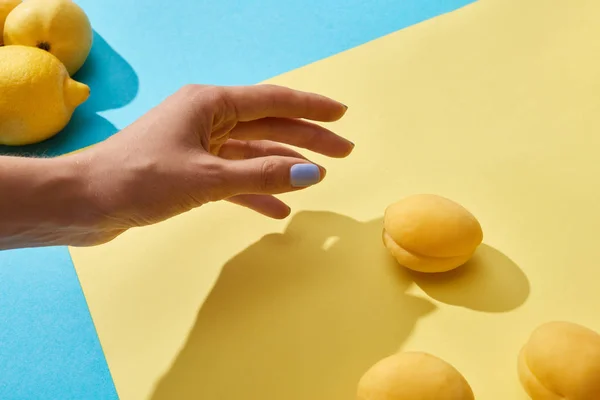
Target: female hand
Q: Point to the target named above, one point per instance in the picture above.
(205, 144)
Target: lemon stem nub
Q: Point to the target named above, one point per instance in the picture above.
(43, 46)
(76, 92)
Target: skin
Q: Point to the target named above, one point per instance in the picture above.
(202, 144)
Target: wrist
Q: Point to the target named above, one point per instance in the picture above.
(41, 200)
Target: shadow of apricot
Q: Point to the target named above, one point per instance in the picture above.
(113, 84)
(489, 282)
(298, 315)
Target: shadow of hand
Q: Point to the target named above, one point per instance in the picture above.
(299, 315)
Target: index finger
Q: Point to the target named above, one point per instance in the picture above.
(261, 101)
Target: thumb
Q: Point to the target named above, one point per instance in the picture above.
(268, 175)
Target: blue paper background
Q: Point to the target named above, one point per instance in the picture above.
(144, 51)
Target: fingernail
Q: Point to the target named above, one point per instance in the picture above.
(303, 175)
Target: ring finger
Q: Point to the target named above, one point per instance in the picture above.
(242, 150)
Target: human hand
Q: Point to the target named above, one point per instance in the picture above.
(205, 144)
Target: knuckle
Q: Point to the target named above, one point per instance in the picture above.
(190, 90)
(269, 178)
(202, 102)
(215, 93)
(195, 92)
(271, 86)
(211, 177)
(224, 108)
(227, 104)
(247, 150)
(311, 138)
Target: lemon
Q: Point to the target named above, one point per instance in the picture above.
(58, 26)
(6, 6)
(38, 96)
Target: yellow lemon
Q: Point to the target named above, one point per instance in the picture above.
(58, 26)
(38, 96)
(6, 6)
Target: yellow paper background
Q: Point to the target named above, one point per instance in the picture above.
(496, 106)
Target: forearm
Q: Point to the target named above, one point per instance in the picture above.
(39, 198)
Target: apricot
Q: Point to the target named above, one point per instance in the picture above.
(430, 233)
(413, 376)
(561, 361)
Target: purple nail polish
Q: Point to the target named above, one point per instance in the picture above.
(302, 175)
